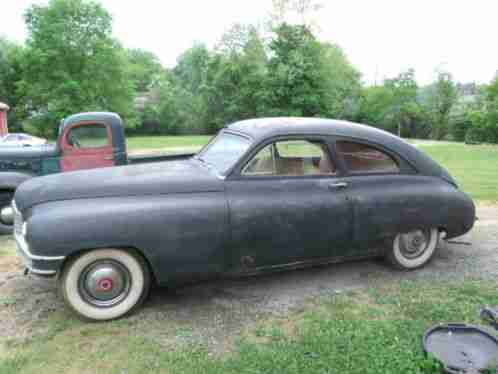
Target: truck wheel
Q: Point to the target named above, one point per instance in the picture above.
(6, 212)
(414, 249)
(105, 284)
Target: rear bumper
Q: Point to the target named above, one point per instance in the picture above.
(40, 265)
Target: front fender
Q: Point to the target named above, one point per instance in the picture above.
(11, 180)
(180, 235)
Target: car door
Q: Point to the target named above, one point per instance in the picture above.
(287, 203)
(381, 188)
(86, 146)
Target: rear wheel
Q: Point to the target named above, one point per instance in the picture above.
(105, 284)
(413, 249)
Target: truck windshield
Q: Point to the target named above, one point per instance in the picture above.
(224, 151)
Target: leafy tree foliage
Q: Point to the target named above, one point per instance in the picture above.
(395, 106)
(10, 76)
(308, 78)
(441, 99)
(484, 118)
(294, 80)
(144, 69)
(72, 64)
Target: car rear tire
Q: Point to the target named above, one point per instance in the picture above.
(105, 284)
(414, 249)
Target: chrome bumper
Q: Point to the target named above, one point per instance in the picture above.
(41, 265)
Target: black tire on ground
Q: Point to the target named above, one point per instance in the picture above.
(105, 284)
(413, 250)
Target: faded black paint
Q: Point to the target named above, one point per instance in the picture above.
(191, 223)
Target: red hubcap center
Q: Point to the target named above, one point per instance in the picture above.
(105, 284)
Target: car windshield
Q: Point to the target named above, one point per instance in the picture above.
(224, 151)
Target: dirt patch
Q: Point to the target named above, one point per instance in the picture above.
(213, 313)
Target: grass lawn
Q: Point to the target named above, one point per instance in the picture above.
(475, 167)
(165, 142)
(376, 330)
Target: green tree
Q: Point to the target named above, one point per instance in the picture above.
(488, 124)
(295, 80)
(341, 83)
(404, 107)
(144, 68)
(394, 106)
(309, 78)
(235, 86)
(10, 76)
(72, 64)
(441, 99)
(191, 67)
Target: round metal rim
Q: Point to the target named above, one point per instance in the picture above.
(412, 245)
(454, 326)
(86, 294)
(7, 215)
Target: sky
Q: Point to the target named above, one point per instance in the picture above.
(381, 38)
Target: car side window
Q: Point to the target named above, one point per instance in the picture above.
(291, 158)
(88, 136)
(361, 158)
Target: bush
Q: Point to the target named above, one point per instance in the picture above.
(459, 129)
(475, 135)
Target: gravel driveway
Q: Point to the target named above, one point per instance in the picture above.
(211, 313)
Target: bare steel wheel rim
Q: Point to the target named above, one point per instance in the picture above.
(104, 283)
(414, 243)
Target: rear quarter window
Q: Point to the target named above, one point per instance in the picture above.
(362, 158)
(88, 136)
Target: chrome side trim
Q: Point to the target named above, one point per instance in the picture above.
(40, 272)
(24, 247)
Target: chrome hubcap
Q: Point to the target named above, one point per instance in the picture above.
(105, 283)
(414, 243)
(7, 215)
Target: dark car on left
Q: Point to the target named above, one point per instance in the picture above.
(263, 195)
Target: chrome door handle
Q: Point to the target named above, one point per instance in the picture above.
(338, 185)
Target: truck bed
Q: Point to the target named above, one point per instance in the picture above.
(139, 159)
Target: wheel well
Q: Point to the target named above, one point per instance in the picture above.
(132, 250)
(6, 193)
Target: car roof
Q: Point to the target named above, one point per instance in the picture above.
(260, 129)
(112, 119)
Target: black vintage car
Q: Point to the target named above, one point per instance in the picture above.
(263, 195)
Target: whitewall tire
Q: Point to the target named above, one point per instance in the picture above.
(105, 284)
(414, 249)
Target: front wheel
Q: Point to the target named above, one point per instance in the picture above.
(105, 284)
(413, 249)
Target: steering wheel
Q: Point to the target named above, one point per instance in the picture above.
(74, 141)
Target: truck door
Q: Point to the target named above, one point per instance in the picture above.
(86, 145)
